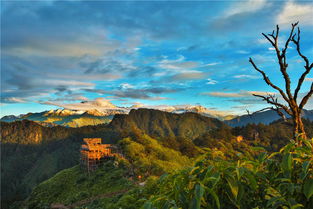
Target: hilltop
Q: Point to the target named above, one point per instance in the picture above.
(152, 141)
(265, 117)
(102, 112)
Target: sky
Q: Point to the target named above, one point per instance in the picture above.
(146, 52)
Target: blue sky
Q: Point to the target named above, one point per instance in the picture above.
(153, 53)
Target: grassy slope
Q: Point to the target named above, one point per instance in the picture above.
(67, 121)
(72, 185)
(147, 158)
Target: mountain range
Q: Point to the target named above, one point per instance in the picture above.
(32, 153)
(64, 117)
(152, 140)
(104, 114)
(265, 117)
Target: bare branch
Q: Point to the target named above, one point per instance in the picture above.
(293, 109)
(281, 114)
(306, 98)
(266, 108)
(307, 66)
(291, 35)
(267, 80)
(269, 38)
(276, 36)
(273, 101)
(282, 61)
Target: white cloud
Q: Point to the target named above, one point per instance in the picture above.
(126, 86)
(223, 94)
(243, 52)
(236, 94)
(14, 100)
(246, 7)
(212, 64)
(246, 76)
(308, 79)
(262, 41)
(93, 41)
(211, 81)
(99, 104)
(95, 77)
(191, 75)
(263, 93)
(294, 12)
(66, 83)
(178, 64)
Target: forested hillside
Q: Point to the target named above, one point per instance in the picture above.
(153, 142)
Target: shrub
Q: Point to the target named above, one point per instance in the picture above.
(281, 179)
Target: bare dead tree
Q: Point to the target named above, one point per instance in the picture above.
(291, 105)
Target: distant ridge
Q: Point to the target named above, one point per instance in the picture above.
(103, 114)
(265, 117)
(161, 124)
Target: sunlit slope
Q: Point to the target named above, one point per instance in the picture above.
(74, 184)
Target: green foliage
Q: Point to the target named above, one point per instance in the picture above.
(73, 184)
(149, 157)
(273, 136)
(278, 180)
(31, 153)
(50, 120)
(154, 143)
(160, 125)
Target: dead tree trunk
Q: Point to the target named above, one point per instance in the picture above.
(298, 126)
(290, 104)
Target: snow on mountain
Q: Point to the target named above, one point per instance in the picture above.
(107, 112)
(62, 112)
(99, 104)
(103, 107)
(102, 110)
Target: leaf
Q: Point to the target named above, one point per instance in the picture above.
(199, 191)
(162, 178)
(196, 200)
(287, 148)
(273, 154)
(193, 170)
(283, 180)
(208, 172)
(258, 149)
(308, 144)
(148, 205)
(217, 201)
(169, 205)
(305, 167)
(183, 199)
(262, 157)
(233, 186)
(274, 200)
(286, 163)
(252, 181)
(296, 206)
(308, 188)
(293, 203)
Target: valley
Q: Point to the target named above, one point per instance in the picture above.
(153, 142)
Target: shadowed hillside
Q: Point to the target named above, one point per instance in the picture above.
(152, 140)
(163, 124)
(265, 117)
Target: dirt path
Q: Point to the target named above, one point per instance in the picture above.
(88, 200)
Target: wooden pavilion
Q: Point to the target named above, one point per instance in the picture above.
(93, 152)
